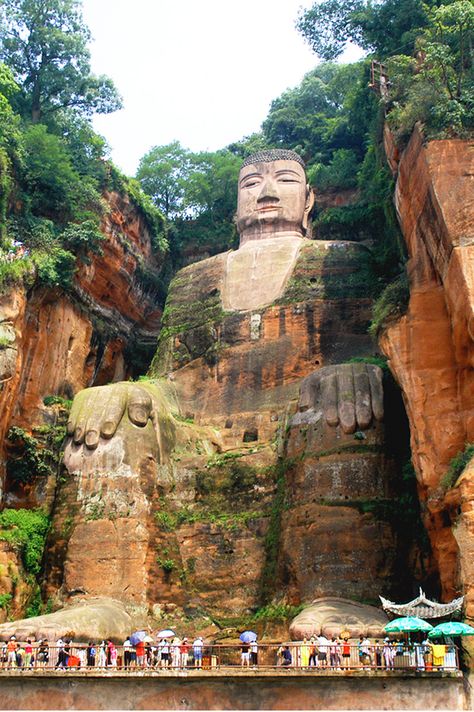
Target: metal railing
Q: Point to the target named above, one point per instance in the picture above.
(304, 657)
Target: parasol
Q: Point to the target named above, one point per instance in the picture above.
(451, 628)
(408, 624)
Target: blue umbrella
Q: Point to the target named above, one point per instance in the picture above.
(248, 636)
(137, 637)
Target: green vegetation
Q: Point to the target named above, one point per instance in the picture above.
(457, 466)
(277, 611)
(31, 457)
(5, 600)
(383, 27)
(197, 192)
(26, 530)
(232, 521)
(168, 565)
(53, 167)
(58, 400)
(272, 538)
(392, 303)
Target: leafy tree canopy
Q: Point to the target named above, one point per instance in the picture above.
(383, 27)
(44, 42)
(163, 173)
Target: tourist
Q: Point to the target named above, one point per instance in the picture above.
(20, 655)
(254, 653)
(112, 654)
(197, 652)
(346, 653)
(28, 653)
(184, 649)
(244, 656)
(323, 645)
(388, 654)
(420, 656)
(11, 652)
(90, 654)
(304, 654)
(428, 654)
(62, 655)
(335, 653)
(286, 655)
(140, 651)
(127, 650)
(313, 653)
(175, 652)
(103, 654)
(148, 653)
(364, 651)
(377, 648)
(164, 648)
(43, 653)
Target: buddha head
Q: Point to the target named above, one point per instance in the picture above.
(273, 196)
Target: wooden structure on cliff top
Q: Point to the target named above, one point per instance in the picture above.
(422, 607)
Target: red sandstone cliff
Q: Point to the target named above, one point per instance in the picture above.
(62, 342)
(430, 349)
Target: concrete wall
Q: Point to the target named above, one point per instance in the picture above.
(229, 691)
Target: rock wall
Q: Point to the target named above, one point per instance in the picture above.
(62, 342)
(430, 349)
(231, 691)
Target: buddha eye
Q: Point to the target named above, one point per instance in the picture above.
(250, 183)
(287, 179)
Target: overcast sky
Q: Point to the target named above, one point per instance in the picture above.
(202, 72)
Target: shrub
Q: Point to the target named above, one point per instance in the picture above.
(392, 303)
(26, 529)
(340, 173)
(457, 466)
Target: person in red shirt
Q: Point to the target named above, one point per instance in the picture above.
(346, 653)
(140, 650)
(184, 649)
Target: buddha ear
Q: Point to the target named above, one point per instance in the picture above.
(308, 207)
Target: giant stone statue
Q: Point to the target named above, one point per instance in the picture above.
(251, 378)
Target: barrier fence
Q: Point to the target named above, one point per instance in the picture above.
(337, 658)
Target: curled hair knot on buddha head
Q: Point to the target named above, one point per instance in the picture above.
(273, 154)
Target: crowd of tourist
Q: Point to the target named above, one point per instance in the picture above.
(180, 653)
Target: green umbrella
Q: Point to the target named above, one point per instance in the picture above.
(409, 624)
(451, 628)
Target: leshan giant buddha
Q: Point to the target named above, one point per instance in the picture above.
(174, 485)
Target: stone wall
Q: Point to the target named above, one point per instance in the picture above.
(226, 691)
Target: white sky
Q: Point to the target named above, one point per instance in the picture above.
(202, 72)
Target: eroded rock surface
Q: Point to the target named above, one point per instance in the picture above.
(430, 349)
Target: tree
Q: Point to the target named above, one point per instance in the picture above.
(436, 88)
(323, 113)
(211, 186)
(162, 174)
(385, 27)
(44, 42)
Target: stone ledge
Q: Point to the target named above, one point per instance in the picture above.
(230, 673)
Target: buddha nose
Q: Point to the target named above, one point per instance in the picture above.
(269, 190)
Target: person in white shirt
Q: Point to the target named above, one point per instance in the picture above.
(323, 645)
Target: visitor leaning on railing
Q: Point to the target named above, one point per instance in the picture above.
(344, 656)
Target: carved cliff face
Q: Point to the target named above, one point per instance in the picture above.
(272, 198)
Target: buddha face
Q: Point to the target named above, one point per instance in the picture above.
(272, 198)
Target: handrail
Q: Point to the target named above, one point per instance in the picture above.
(333, 657)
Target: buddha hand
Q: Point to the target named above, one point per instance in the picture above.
(349, 395)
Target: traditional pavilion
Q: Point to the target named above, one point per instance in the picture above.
(422, 607)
